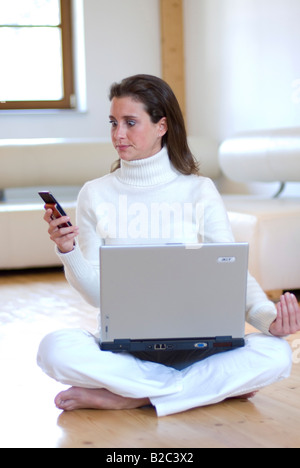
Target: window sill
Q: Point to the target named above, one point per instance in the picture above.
(41, 111)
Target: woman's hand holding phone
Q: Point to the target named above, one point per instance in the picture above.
(62, 236)
(60, 229)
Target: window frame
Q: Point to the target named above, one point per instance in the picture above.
(68, 101)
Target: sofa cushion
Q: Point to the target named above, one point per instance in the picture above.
(47, 162)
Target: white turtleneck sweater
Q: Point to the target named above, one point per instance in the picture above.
(149, 202)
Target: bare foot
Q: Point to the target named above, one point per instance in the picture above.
(85, 398)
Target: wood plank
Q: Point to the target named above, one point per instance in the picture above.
(172, 48)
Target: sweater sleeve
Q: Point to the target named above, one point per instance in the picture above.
(260, 312)
(82, 264)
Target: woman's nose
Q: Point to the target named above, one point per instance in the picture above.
(119, 131)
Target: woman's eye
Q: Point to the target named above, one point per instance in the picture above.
(113, 123)
(131, 123)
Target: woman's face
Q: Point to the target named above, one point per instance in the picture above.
(133, 133)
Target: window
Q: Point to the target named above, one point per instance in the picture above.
(36, 54)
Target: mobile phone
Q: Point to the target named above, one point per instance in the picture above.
(57, 210)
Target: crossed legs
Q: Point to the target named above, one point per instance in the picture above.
(101, 380)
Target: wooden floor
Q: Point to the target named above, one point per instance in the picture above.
(33, 304)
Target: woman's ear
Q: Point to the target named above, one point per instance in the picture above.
(162, 127)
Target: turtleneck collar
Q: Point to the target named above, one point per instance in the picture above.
(148, 172)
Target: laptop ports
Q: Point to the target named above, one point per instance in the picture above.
(160, 347)
(201, 345)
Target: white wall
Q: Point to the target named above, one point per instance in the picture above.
(122, 38)
(243, 67)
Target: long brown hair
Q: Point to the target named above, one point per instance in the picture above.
(160, 101)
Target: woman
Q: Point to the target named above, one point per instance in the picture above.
(155, 166)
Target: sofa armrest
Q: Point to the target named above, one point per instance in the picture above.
(269, 156)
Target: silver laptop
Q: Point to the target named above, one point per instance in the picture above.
(173, 297)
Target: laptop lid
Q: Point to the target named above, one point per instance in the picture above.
(172, 293)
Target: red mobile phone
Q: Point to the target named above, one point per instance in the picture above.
(57, 210)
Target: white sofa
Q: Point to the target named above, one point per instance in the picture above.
(61, 166)
(27, 166)
(271, 227)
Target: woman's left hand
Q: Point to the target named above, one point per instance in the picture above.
(288, 316)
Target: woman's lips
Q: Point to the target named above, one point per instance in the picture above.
(122, 147)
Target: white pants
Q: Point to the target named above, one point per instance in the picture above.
(73, 357)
